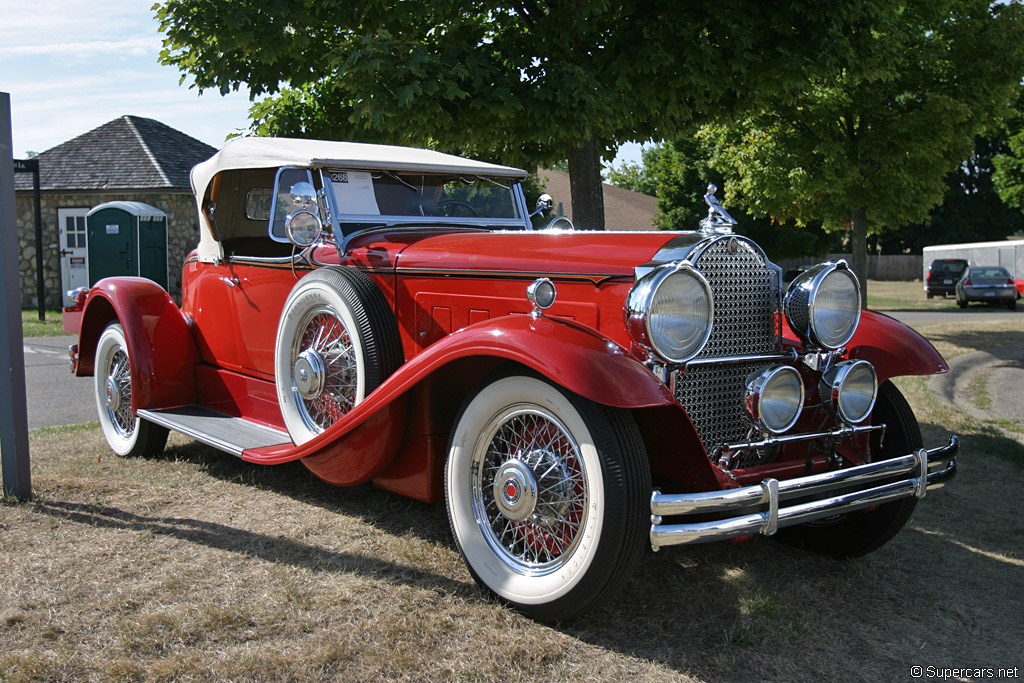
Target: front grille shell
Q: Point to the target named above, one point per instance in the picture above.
(747, 301)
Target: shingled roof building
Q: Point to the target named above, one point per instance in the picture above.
(131, 159)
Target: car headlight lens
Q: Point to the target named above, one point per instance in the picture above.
(823, 305)
(850, 389)
(670, 311)
(774, 397)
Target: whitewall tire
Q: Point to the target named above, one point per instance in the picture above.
(547, 495)
(127, 435)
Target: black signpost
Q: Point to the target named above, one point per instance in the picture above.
(32, 166)
(13, 411)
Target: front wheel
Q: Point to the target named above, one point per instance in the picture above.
(547, 495)
(859, 533)
(128, 436)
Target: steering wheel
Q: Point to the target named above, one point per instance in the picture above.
(457, 203)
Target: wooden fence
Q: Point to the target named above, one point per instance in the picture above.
(884, 267)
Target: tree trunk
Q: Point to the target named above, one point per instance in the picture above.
(859, 248)
(585, 186)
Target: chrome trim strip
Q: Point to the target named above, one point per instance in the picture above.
(786, 356)
(774, 493)
(840, 433)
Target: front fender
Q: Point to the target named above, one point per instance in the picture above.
(893, 348)
(569, 354)
(160, 342)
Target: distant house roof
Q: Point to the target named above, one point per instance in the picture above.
(623, 209)
(128, 153)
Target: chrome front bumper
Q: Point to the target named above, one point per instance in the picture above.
(764, 508)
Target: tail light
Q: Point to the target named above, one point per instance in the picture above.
(967, 282)
(1010, 281)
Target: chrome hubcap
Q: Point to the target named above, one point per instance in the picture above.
(113, 394)
(309, 374)
(530, 490)
(515, 491)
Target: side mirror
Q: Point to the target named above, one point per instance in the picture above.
(303, 227)
(544, 205)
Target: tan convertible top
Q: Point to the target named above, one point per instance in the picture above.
(256, 152)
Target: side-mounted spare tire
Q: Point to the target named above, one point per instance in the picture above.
(337, 341)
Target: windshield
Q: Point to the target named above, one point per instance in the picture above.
(359, 195)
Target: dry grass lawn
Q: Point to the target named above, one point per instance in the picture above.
(197, 566)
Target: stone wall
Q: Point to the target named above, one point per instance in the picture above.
(182, 236)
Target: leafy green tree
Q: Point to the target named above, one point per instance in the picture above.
(971, 209)
(677, 173)
(524, 82)
(870, 149)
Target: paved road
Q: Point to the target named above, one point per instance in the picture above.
(978, 313)
(56, 397)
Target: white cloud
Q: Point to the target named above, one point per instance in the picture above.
(137, 46)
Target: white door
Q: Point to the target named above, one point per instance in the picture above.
(74, 266)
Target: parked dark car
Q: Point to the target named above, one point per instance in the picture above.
(943, 275)
(990, 284)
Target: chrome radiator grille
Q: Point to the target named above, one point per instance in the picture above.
(746, 297)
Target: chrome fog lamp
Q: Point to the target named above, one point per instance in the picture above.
(823, 305)
(541, 293)
(850, 389)
(774, 397)
(670, 310)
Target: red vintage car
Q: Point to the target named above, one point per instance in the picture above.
(391, 315)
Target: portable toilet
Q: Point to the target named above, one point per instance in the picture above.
(127, 238)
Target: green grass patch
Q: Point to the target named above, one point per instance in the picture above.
(32, 326)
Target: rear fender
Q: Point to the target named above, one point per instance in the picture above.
(893, 348)
(160, 342)
(570, 355)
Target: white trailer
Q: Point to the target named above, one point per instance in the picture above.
(1009, 254)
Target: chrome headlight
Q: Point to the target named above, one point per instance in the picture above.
(850, 389)
(670, 310)
(823, 305)
(774, 397)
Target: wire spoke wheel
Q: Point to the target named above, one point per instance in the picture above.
(119, 393)
(530, 489)
(325, 373)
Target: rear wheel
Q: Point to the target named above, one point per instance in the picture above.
(547, 495)
(859, 533)
(128, 436)
(962, 303)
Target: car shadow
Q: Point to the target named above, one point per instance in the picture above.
(271, 548)
(384, 510)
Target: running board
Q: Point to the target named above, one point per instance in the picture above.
(233, 435)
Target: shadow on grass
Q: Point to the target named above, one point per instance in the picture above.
(387, 511)
(980, 340)
(278, 549)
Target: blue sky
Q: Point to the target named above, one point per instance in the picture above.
(73, 65)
